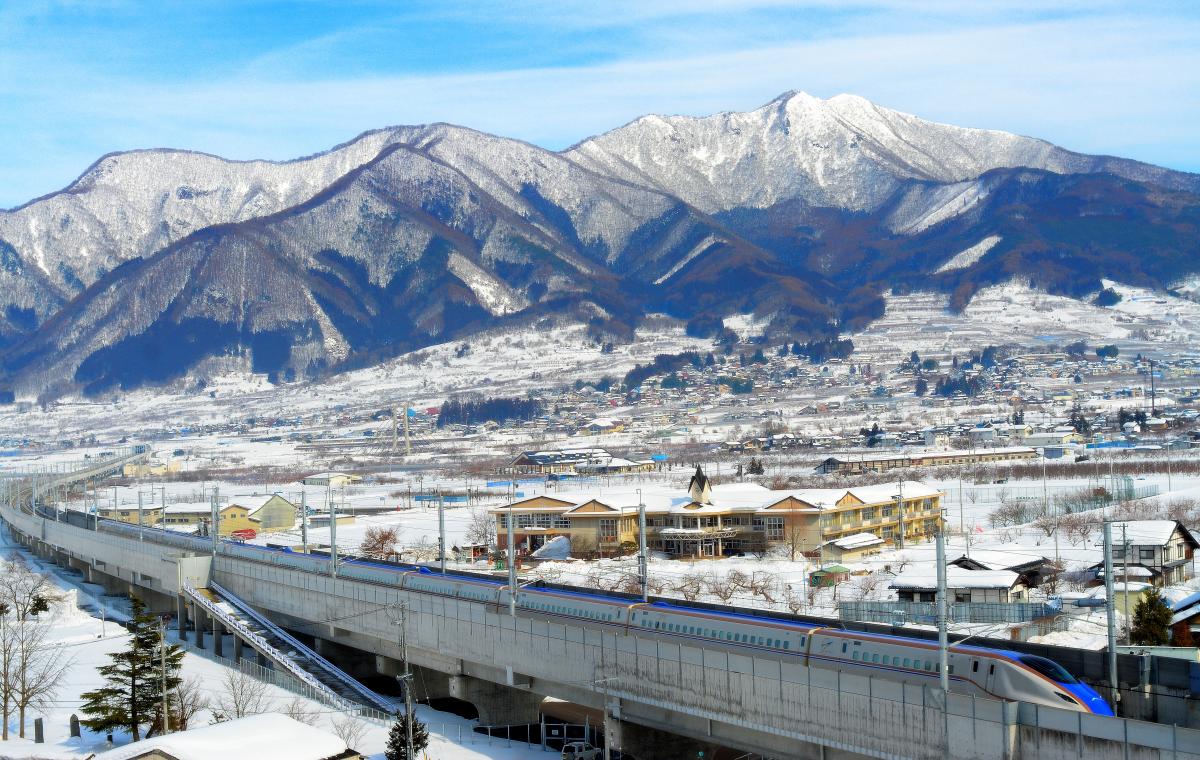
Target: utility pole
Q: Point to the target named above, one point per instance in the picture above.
(1046, 509)
(442, 531)
(512, 564)
(943, 635)
(304, 519)
(162, 649)
(407, 439)
(643, 558)
(406, 677)
(900, 510)
(1125, 583)
(216, 517)
(141, 537)
(1111, 613)
(1153, 412)
(332, 530)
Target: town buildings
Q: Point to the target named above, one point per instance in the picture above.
(708, 520)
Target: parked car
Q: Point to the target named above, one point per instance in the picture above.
(580, 751)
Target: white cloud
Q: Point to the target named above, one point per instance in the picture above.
(1123, 85)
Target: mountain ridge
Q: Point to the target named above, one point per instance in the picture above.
(802, 210)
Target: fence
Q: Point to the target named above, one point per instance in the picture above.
(451, 731)
(906, 613)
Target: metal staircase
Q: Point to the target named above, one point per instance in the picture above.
(285, 651)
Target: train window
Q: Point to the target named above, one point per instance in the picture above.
(843, 647)
(950, 669)
(1048, 668)
(874, 658)
(975, 666)
(787, 644)
(992, 669)
(855, 654)
(907, 662)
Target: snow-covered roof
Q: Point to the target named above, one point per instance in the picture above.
(1133, 571)
(956, 577)
(855, 541)
(192, 509)
(1144, 532)
(254, 503)
(1001, 559)
(268, 736)
(727, 497)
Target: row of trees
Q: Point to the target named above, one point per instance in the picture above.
(473, 410)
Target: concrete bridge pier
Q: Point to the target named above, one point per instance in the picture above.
(354, 661)
(181, 615)
(238, 644)
(427, 683)
(199, 622)
(218, 639)
(497, 705)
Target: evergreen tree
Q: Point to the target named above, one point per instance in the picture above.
(922, 386)
(397, 743)
(132, 691)
(1151, 620)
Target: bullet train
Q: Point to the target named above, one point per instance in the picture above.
(997, 673)
(978, 670)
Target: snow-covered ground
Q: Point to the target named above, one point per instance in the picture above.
(88, 641)
(1014, 313)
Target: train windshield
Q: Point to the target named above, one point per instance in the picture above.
(1049, 668)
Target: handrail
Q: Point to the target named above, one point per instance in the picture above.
(329, 667)
(266, 647)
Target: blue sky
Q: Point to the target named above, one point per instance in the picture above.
(80, 78)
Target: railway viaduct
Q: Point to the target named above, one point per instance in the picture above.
(656, 689)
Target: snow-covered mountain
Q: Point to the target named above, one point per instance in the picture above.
(155, 264)
(844, 152)
(129, 205)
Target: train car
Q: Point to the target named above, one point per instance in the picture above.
(972, 670)
(727, 627)
(605, 610)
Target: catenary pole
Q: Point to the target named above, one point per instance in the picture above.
(643, 558)
(1111, 613)
(441, 531)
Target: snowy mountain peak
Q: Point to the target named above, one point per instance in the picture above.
(845, 152)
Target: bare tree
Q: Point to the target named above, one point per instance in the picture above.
(722, 588)
(583, 545)
(481, 527)
(39, 668)
(8, 660)
(1046, 524)
(239, 696)
(795, 535)
(300, 709)
(689, 587)
(349, 729)
(379, 542)
(186, 700)
(23, 591)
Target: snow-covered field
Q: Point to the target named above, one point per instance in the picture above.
(1015, 313)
